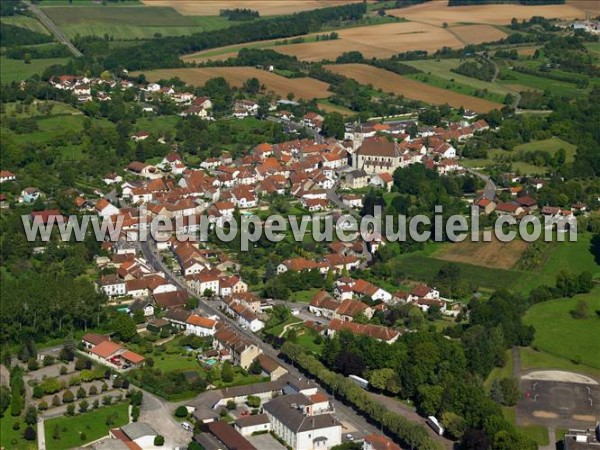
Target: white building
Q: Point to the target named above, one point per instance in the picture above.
(200, 326)
(292, 419)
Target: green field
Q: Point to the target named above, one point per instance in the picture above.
(461, 88)
(551, 146)
(573, 256)
(58, 108)
(533, 82)
(441, 69)
(559, 334)
(497, 155)
(25, 22)
(130, 22)
(16, 70)
(92, 424)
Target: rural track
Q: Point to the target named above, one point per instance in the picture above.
(51, 26)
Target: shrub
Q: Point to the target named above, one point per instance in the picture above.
(181, 412)
(32, 364)
(83, 406)
(16, 425)
(55, 401)
(135, 413)
(38, 391)
(49, 360)
(43, 405)
(29, 434)
(82, 436)
(70, 410)
(68, 397)
(81, 392)
(159, 441)
(93, 390)
(63, 370)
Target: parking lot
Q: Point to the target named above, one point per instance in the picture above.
(265, 441)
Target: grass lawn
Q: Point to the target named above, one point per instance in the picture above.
(579, 338)
(240, 379)
(307, 341)
(531, 359)
(16, 70)
(12, 439)
(175, 362)
(92, 423)
(538, 433)
(278, 329)
(130, 22)
(303, 296)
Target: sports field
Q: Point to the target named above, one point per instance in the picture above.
(415, 90)
(560, 334)
(264, 7)
(306, 88)
(437, 13)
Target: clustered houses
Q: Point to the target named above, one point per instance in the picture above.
(294, 410)
(376, 154)
(88, 89)
(383, 334)
(244, 307)
(100, 348)
(334, 262)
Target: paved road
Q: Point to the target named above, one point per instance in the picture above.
(41, 434)
(345, 414)
(60, 36)
(490, 186)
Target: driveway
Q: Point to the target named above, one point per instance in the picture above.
(159, 415)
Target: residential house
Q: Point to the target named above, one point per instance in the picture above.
(112, 286)
(270, 367)
(30, 195)
(382, 180)
(242, 350)
(200, 326)
(379, 442)
(7, 175)
(383, 334)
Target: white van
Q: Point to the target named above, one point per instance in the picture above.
(187, 426)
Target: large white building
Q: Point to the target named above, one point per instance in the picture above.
(303, 427)
(377, 156)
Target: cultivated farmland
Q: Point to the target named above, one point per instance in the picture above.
(264, 7)
(380, 41)
(306, 88)
(437, 13)
(415, 90)
(477, 34)
(494, 254)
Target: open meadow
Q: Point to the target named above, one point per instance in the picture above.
(415, 90)
(16, 69)
(306, 88)
(560, 334)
